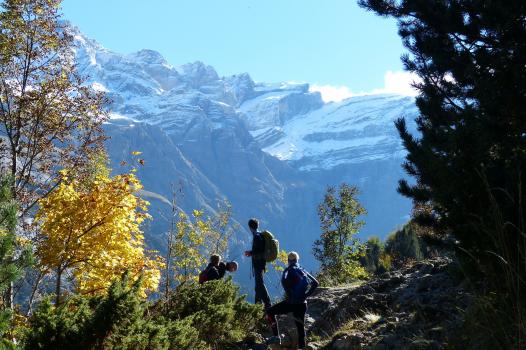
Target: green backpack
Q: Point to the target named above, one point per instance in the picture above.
(271, 246)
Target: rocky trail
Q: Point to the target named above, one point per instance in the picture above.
(416, 307)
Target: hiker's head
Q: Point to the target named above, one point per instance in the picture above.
(253, 224)
(215, 259)
(293, 257)
(231, 266)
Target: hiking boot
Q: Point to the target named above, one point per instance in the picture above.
(275, 339)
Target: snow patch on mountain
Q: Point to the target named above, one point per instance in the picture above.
(355, 130)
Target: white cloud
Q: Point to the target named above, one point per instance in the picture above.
(397, 82)
(400, 83)
(331, 93)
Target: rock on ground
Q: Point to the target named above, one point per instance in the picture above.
(416, 307)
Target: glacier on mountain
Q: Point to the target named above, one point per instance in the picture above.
(355, 130)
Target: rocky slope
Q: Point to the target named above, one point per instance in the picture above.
(415, 307)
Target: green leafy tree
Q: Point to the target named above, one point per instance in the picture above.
(375, 259)
(469, 159)
(338, 250)
(192, 239)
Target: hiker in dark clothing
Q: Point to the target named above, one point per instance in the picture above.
(211, 272)
(298, 285)
(258, 263)
(216, 269)
(222, 268)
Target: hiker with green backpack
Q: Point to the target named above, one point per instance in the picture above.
(264, 249)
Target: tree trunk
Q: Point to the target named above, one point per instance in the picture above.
(8, 294)
(58, 286)
(33, 293)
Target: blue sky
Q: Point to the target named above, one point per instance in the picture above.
(333, 44)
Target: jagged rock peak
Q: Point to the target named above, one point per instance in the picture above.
(198, 69)
(148, 56)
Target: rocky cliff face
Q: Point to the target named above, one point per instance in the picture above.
(416, 307)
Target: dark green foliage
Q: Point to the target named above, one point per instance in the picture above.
(471, 56)
(469, 162)
(404, 244)
(58, 328)
(400, 247)
(118, 320)
(183, 335)
(371, 259)
(338, 250)
(13, 257)
(216, 310)
(472, 59)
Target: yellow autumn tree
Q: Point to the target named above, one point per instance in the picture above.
(92, 232)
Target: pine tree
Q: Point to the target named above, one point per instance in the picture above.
(14, 255)
(373, 250)
(404, 244)
(117, 320)
(469, 160)
(471, 56)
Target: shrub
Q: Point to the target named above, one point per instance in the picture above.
(371, 259)
(343, 273)
(405, 244)
(183, 335)
(199, 317)
(58, 327)
(116, 321)
(215, 309)
(385, 263)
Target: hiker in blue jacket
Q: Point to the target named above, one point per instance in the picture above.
(298, 285)
(258, 263)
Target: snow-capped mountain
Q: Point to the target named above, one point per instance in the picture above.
(270, 149)
(323, 136)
